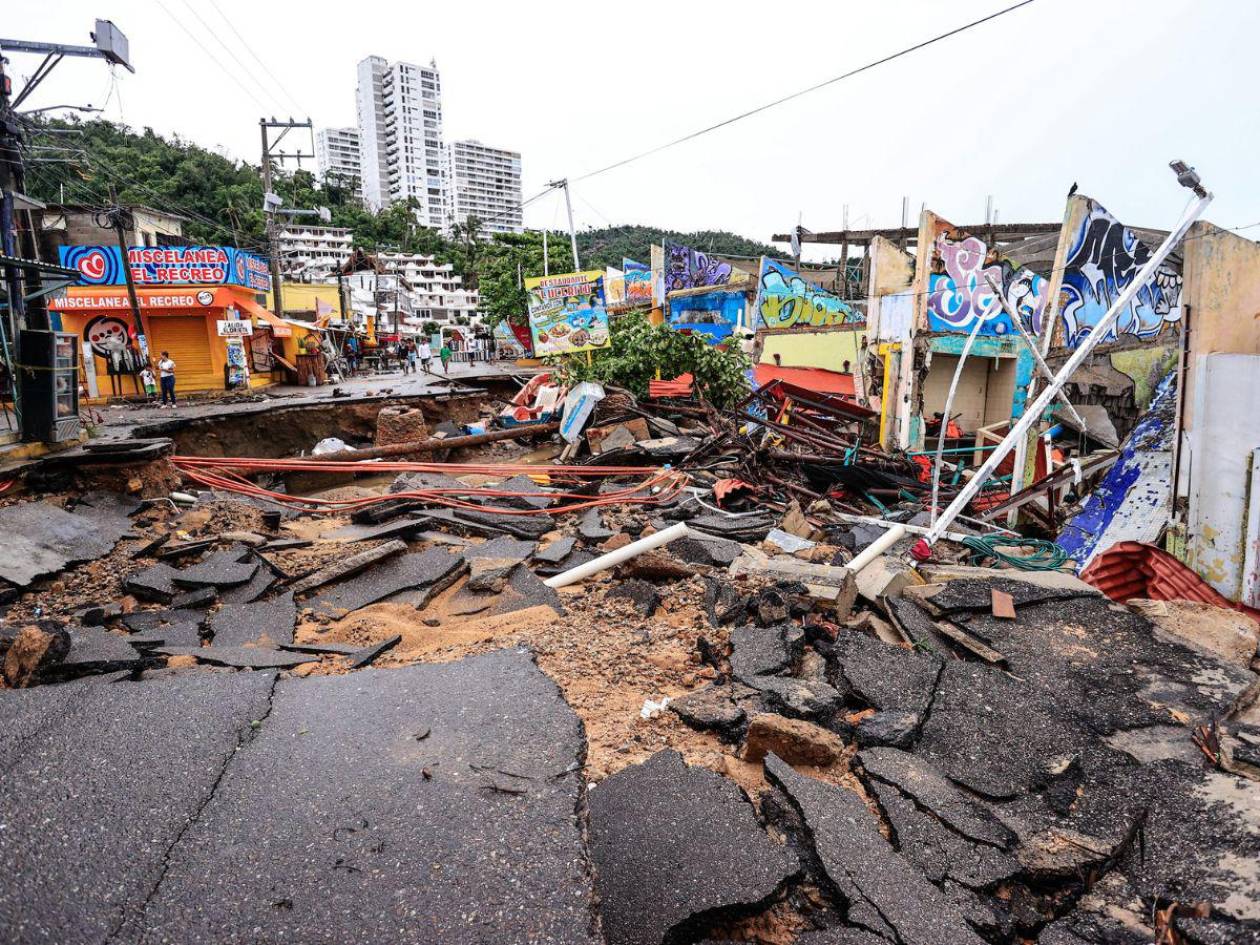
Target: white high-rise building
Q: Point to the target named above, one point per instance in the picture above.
(400, 136)
(338, 158)
(485, 183)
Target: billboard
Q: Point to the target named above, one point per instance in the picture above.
(638, 279)
(567, 312)
(168, 265)
(715, 313)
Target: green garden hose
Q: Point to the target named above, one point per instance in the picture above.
(1046, 555)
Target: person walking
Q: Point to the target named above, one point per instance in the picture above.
(411, 356)
(400, 352)
(166, 374)
(426, 355)
(445, 354)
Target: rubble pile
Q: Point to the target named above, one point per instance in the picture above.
(679, 688)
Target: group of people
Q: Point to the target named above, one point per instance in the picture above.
(166, 375)
(409, 352)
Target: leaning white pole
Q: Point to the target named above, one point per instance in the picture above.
(1033, 413)
(613, 558)
(1032, 346)
(877, 548)
(981, 317)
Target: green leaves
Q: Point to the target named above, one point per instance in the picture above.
(639, 349)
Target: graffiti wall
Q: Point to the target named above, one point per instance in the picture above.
(715, 313)
(786, 300)
(687, 268)
(1103, 256)
(959, 291)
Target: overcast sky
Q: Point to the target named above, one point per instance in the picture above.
(1100, 92)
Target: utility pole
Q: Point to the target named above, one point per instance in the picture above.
(110, 44)
(271, 203)
(568, 206)
(546, 262)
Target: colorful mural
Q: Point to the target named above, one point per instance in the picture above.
(786, 300)
(614, 286)
(567, 312)
(715, 313)
(1102, 261)
(687, 268)
(638, 279)
(959, 290)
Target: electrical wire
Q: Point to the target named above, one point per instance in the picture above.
(209, 55)
(229, 475)
(806, 91)
(232, 52)
(262, 62)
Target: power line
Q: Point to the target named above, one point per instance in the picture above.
(813, 88)
(232, 52)
(262, 62)
(193, 36)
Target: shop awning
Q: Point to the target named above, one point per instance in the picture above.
(278, 326)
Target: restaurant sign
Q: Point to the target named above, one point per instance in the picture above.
(168, 265)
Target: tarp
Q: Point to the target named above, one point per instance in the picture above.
(808, 378)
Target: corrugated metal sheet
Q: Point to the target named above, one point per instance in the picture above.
(1131, 569)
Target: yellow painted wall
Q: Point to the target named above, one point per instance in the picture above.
(1222, 289)
(301, 297)
(820, 349)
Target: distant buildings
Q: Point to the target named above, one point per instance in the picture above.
(485, 183)
(437, 291)
(339, 159)
(397, 153)
(312, 253)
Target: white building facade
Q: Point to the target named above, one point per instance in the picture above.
(437, 291)
(485, 183)
(339, 159)
(312, 253)
(399, 107)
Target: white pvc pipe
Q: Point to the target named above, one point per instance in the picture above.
(877, 548)
(1033, 413)
(613, 558)
(949, 405)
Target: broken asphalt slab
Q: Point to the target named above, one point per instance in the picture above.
(677, 850)
(239, 657)
(421, 574)
(41, 538)
(468, 834)
(227, 568)
(523, 590)
(122, 768)
(883, 891)
(270, 622)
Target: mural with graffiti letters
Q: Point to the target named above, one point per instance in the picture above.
(786, 300)
(1103, 259)
(687, 268)
(959, 290)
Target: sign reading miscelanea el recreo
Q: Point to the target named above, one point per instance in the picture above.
(168, 265)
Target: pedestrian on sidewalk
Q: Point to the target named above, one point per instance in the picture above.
(149, 382)
(445, 354)
(400, 352)
(426, 355)
(166, 373)
(411, 356)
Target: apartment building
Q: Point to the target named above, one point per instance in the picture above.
(312, 253)
(399, 107)
(339, 159)
(437, 291)
(485, 183)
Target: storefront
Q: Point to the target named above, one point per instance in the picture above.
(194, 324)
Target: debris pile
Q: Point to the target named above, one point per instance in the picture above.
(684, 683)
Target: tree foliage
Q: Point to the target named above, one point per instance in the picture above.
(639, 349)
(103, 162)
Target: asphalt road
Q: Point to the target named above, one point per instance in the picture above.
(424, 804)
